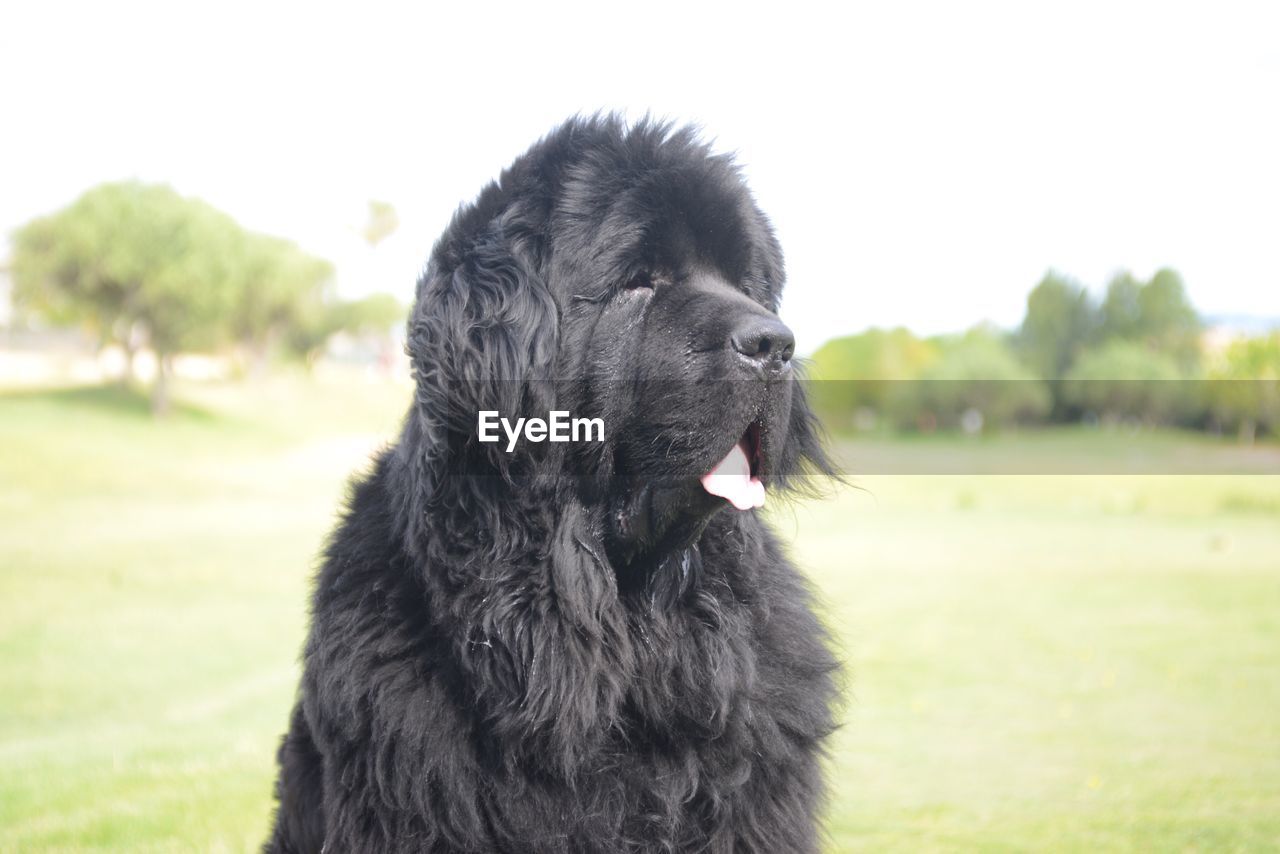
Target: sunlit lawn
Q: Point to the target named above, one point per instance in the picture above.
(1034, 662)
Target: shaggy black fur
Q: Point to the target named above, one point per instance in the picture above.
(574, 647)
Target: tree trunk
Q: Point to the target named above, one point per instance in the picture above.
(160, 390)
(1248, 430)
(258, 348)
(134, 337)
(130, 352)
(259, 355)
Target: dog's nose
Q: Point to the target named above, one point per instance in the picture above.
(765, 340)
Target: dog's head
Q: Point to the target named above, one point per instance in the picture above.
(626, 274)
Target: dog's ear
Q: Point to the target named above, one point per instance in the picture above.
(483, 336)
(546, 649)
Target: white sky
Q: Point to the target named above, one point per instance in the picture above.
(924, 163)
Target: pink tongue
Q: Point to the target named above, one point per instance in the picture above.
(731, 479)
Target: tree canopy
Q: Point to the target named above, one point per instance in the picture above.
(1244, 385)
(1060, 322)
(861, 371)
(1128, 380)
(131, 255)
(976, 376)
(1133, 356)
(140, 264)
(1155, 313)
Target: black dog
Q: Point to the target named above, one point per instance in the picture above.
(576, 647)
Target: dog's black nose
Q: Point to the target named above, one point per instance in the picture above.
(766, 340)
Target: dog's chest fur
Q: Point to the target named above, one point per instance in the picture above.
(485, 714)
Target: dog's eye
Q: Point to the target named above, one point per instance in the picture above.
(642, 281)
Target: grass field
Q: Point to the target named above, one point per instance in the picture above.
(1035, 662)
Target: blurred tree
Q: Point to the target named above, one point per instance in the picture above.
(1120, 316)
(858, 372)
(1128, 380)
(1059, 323)
(976, 382)
(318, 321)
(1169, 322)
(49, 282)
(1244, 386)
(133, 262)
(374, 314)
(380, 223)
(1156, 313)
(278, 286)
(313, 323)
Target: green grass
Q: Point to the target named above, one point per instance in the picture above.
(1034, 662)
(1065, 663)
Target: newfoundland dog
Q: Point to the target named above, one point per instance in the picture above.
(529, 645)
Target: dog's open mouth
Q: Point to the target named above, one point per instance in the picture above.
(736, 478)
